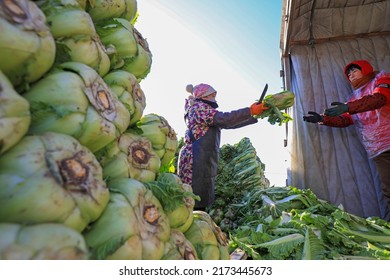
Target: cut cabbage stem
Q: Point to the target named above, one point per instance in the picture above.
(139, 153)
(103, 99)
(75, 175)
(73, 171)
(15, 11)
(151, 214)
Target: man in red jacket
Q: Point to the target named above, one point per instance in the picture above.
(369, 109)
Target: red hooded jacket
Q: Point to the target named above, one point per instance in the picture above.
(369, 110)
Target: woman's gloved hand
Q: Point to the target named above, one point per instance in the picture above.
(338, 109)
(313, 118)
(258, 109)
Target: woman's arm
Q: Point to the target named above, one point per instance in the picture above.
(234, 119)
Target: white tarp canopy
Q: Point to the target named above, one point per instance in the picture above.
(318, 38)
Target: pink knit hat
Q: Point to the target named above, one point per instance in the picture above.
(201, 90)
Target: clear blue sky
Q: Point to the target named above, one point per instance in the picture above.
(232, 45)
(245, 32)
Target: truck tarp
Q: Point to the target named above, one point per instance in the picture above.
(318, 38)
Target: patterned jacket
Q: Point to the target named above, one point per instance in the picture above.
(198, 159)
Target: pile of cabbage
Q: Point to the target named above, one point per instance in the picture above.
(81, 165)
(239, 171)
(287, 223)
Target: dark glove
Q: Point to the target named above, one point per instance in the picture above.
(338, 109)
(314, 118)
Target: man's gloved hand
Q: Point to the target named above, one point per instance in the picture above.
(313, 118)
(258, 109)
(338, 109)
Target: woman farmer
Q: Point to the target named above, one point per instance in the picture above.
(198, 158)
(369, 109)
